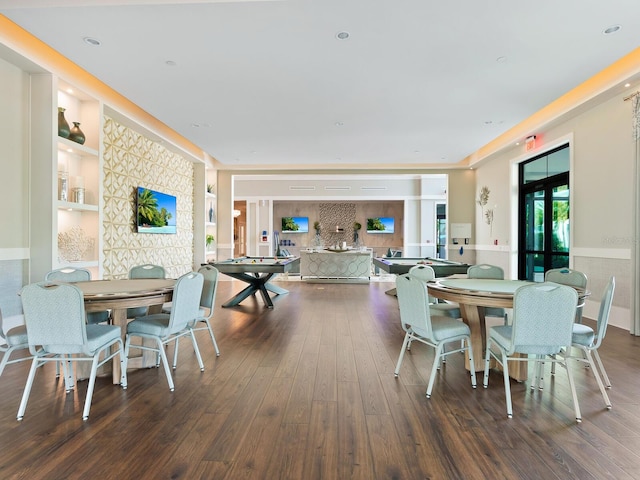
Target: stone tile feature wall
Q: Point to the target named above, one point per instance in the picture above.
(334, 215)
(132, 160)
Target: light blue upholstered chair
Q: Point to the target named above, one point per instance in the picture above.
(427, 274)
(573, 278)
(14, 339)
(57, 331)
(588, 340)
(420, 326)
(207, 303)
(543, 318)
(72, 275)
(165, 328)
(491, 272)
(144, 271)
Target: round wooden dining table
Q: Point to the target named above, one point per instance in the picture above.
(473, 295)
(117, 296)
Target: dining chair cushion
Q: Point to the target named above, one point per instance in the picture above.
(16, 336)
(156, 324)
(583, 335)
(98, 335)
(444, 327)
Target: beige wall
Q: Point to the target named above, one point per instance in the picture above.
(131, 160)
(602, 192)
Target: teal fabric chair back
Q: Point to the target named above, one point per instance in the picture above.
(55, 318)
(209, 288)
(147, 271)
(605, 310)
(413, 299)
(185, 308)
(543, 316)
(485, 271)
(68, 274)
(566, 276)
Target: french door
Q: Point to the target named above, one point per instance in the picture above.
(544, 226)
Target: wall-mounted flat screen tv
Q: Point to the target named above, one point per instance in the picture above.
(295, 224)
(380, 225)
(155, 212)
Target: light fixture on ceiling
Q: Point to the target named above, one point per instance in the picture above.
(612, 29)
(94, 42)
(170, 63)
(502, 59)
(342, 35)
(339, 124)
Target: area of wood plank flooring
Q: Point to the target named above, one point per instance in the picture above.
(306, 391)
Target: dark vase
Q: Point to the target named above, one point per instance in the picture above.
(63, 126)
(76, 135)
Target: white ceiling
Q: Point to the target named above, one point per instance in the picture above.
(264, 83)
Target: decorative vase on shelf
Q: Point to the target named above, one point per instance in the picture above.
(211, 213)
(75, 134)
(63, 125)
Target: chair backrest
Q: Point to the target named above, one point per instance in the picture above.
(543, 316)
(425, 273)
(485, 271)
(566, 276)
(55, 318)
(68, 274)
(605, 310)
(413, 299)
(147, 271)
(209, 288)
(4, 339)
(185, 305)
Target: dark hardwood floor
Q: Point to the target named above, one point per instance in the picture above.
(307, 391)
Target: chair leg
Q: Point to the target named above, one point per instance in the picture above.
(123, 366)
(603, 390)
(27, 388)
(573, 391)
(213, 338)
(90, 386)
(472, 366)
(487, 361)
(175, 352)
(165, 362)
(404, 347)
(434, 369)
(605, 377)
(507, 385)
(196, 349)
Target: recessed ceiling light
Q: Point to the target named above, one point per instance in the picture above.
(488, 122)
(627, 85)
(612, 29)
(170, 63)
(342, 35)
(94, 42)
(339, 124)
(70, 90)
(501, 59)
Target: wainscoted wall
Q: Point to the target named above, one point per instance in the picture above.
(132, 160)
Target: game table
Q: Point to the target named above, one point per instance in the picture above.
(402, 265)
(256, 271)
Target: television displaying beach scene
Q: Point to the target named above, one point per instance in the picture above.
(380, 225)
(295, 224)
(155, 212)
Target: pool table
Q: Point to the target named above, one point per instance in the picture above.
(256, 271)
(402, 265)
